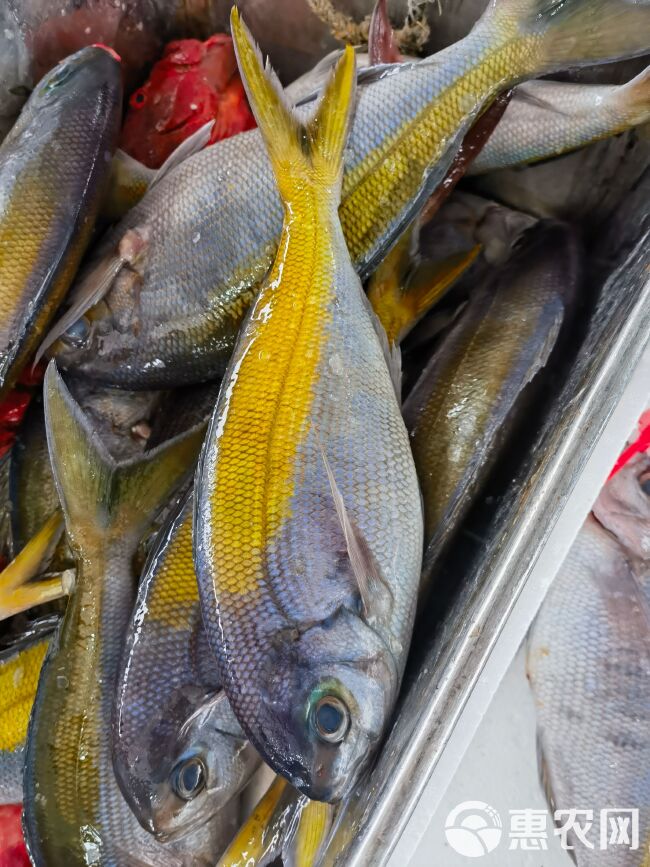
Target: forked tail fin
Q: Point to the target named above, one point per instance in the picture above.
(300, 153)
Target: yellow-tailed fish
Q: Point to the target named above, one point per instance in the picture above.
(20, 668)
(171, 315)
(308, 534)
(548, 118)
(74, 811)
(588, 664)
(53, 168)
(179, 754)
(468, 397)
(284, 824)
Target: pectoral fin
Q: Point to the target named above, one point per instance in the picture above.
(376, 595)
(92, 288)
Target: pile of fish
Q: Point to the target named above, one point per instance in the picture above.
(283, 363)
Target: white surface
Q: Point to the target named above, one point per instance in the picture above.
(500, 768)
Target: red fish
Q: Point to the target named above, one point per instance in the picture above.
(13, 409)
(12, 846)
(194, 82)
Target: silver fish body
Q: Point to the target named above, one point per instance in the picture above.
(546, 118)
(588, 662)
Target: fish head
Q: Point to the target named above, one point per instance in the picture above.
(82, 78)
(181, 776)
(325, 701)
(193, 83)
(623, 506)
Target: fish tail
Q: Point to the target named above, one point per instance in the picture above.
(559, 33)
(298, 151)
(313, 825)
(99, 495)
(635, 96)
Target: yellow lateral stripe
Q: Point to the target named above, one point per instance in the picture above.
(268, 402)
(18, 681)
(313, 826)
(175, 589)
(383, 184)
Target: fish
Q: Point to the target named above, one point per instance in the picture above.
(179, 754)
(468, 397)
(311, 667)
(172, 316)
(74, 811)
(547, 118)
(193, 83)
(33, 494)
(53, 168)
(588, 664)
(20, 667)
(284, 824)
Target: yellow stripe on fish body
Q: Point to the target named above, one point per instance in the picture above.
(18, 681)
(380, 187)
(268, 409)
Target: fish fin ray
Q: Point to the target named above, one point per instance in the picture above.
(381, 39)
(296, 149)
(376, 595)
(636, 94)
(88, 293)
(187, 148)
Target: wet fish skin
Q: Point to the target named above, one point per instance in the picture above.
(53, 167)
(170, 709)
(588, 663)
(74, 812)
(283, 824)
(173, 317)
(546, 119)
(20, 667)
(33, 493)
(285, 647)
(466, 399)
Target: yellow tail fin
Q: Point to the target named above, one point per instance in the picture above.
(297, 150)
(636, 96)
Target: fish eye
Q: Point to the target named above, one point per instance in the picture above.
(644, 482)
(58, 77)
(188, 778)
(138, 98)
(330, 719)
(78, 332)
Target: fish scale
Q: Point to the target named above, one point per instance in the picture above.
(174, 317)
(169, 705)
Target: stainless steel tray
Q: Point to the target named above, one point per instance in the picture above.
(531, 532)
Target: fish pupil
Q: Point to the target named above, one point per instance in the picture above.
(189, 779)
(331, 719)
(645, 485)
